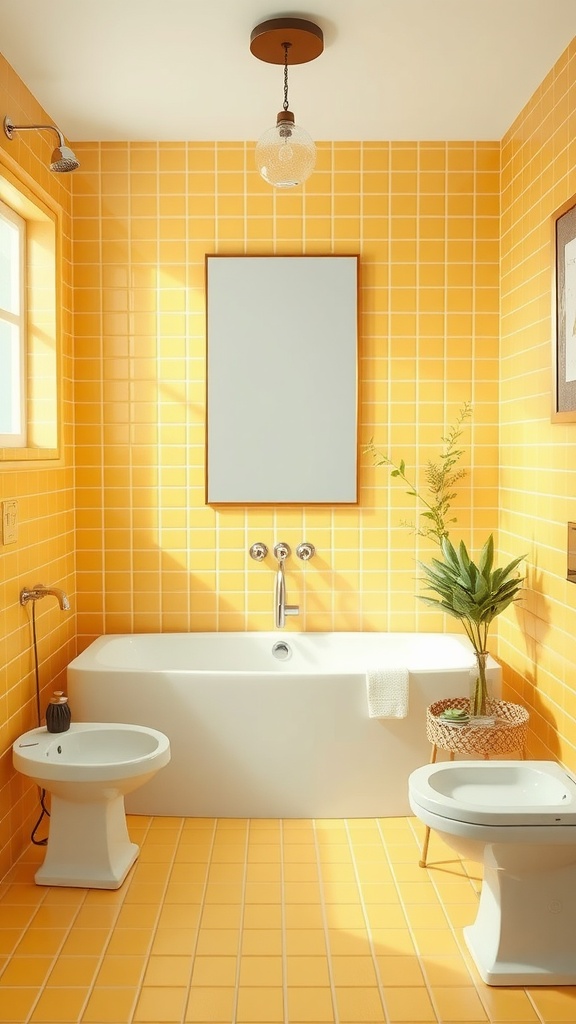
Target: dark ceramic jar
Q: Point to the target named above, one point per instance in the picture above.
(58, 713)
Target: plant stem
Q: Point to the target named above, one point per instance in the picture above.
(440, 479)
(479, 700)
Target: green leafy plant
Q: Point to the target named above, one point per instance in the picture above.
(440, 477)
(472, 593)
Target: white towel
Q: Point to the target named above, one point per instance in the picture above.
(387, 692)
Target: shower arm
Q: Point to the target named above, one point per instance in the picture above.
(10, 128)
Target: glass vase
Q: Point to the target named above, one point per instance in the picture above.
(480, 698)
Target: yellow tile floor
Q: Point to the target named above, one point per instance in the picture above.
(258, 922)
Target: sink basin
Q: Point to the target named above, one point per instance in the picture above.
(90, 751)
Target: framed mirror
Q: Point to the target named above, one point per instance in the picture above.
(282, 380)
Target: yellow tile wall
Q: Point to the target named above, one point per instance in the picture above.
(44, 551)
(538, 461)
(425, 220)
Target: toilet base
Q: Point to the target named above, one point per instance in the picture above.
(560, 971)
(524, 930)
(88, 845)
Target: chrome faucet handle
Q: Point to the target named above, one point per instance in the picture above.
(305, 551)
(258, 551)
(281, 551)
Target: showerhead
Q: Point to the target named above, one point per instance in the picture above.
(63, 159)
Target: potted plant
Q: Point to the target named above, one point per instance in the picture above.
(474, 593)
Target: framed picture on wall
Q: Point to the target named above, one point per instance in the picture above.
(564, 313)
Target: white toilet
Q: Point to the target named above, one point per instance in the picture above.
(88, 770)
(518, 818)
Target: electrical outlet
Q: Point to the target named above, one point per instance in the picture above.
(9, 521)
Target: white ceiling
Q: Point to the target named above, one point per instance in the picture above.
(182, 69)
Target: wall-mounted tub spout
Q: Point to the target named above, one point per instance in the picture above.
(39, 590)
(281, 609)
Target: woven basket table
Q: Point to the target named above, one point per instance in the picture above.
(506, 734)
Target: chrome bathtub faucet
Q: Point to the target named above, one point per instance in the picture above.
(39, 590)
(281, 609)
(304, 551)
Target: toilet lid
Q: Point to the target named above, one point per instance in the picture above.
(497, 792)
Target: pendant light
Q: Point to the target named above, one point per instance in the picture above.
(285, 154)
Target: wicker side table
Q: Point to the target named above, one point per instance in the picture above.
(507, 734)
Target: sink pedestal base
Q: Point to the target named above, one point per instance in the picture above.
(88, 844)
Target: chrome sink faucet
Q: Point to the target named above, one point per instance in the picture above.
(281, 609)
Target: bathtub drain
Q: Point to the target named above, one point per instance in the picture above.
(282, 651)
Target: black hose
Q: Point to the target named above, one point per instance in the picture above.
(45, 811)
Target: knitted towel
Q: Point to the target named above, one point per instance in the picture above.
(387, 692)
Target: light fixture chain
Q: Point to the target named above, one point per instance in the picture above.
(286, 48)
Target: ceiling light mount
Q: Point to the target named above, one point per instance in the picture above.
(304, 38)
(285, 154)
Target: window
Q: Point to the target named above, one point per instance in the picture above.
(12, 329)
(30, 286)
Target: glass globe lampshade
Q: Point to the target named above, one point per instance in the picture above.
(285, 154)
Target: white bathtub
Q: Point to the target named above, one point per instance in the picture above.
(254, 736)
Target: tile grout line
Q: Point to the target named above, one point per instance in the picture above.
(283, 929)
(325, 924)
(381, 990)
(199, 924)
(154, 928)
(241, 924)
(409, 925)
